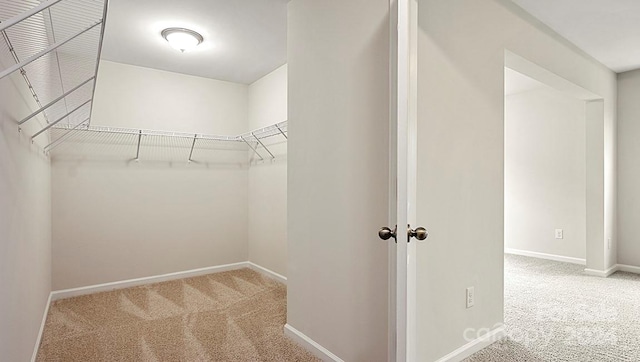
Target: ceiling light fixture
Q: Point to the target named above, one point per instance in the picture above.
(182, 39)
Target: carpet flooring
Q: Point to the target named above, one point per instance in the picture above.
(231, 316)
(553, 312)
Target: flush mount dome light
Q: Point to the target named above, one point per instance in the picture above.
(181, 38)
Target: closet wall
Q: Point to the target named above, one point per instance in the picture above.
(115, 220)
(629, 168)
(268, 180)
(338, 176)
(25, 223)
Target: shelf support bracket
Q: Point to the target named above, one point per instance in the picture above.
(280, 129)
(195, 137)
(254, 149)
(138, 147)
(263, 146)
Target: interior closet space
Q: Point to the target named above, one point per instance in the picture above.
(124, 160)
(177, 201)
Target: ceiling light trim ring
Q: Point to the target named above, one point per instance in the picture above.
(166, 32)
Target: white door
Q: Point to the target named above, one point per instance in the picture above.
(404, 167)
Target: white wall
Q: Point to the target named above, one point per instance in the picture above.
(461, 155)
(628, 168)
(115, 220)
(545, 170)
(25, 223)
(268, 180)
(139, 97)
(338, 175)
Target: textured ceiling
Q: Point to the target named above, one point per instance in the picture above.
(243, 39)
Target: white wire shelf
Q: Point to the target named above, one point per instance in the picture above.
(55, 46)
(142, 144)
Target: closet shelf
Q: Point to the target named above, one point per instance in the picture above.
(136, 144)
(54, 45)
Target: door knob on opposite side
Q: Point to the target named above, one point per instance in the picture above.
(385, 233)
(419, 233)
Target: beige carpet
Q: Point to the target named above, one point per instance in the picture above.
(554, 312)
(230, 316)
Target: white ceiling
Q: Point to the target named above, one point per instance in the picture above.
(608, 30)
(243, 39)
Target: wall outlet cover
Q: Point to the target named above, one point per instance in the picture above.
(471, 297)
(559, 234)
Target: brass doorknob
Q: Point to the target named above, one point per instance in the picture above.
(385, 233)
(419, 233)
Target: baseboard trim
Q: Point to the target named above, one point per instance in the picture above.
(535, 254)
(628, 268)
(311, 345)
(476, 345)
(270, 273)
(39, 338)
(74, 292)
(601, 273)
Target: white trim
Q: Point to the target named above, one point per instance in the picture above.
(535, 254)
(44, 320)
(628, 268)
(476, 345)
(310, 345)
(270, 273)
(74, 292)
(601, 273)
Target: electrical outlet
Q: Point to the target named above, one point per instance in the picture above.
(559, 234)
(471, 297)
(609, 243)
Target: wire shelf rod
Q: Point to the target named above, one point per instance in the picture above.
(55, 100)
(264, 130)
(54, 144)
(257, 134)
(59, 119)
(43, 52)
(136, 131)
(18, 18)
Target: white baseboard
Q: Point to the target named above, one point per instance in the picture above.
(628, 268)
(474, 346)
(601, 273)
(74, 292)
(39, 338)
(534, 254)
(310, 345)
(270, 273)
